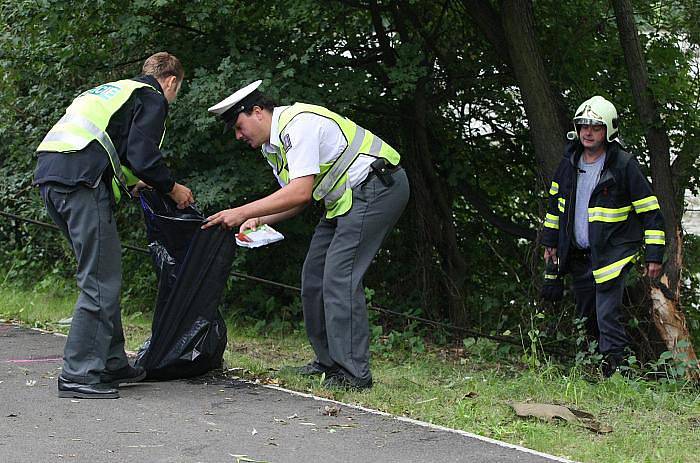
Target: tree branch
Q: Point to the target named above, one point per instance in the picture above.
(476, 199)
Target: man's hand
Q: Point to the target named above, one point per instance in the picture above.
(181, 195)
(136, 190)
(653, 270)
(250, 224)
(550, 253)
(228, 219)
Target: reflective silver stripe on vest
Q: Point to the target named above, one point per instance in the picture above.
(100, 135)
(334, 195)
(75, 140)
(376, 146)
(340, 165)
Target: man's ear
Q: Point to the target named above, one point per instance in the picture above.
(171, 82)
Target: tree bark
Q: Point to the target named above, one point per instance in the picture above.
(433, 207)
(430, 209)
(548, 121)
(665, 296)
(512, 35)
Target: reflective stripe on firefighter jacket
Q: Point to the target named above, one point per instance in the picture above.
(86, 120)
(623, 214)
(331, 184)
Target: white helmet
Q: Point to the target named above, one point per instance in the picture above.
(597, 111)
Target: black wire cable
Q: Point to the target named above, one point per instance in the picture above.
(371, 306)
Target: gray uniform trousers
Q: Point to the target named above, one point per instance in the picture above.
(332, 290)
(601, 304)
(96, 340)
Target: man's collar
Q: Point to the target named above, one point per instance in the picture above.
(150, 80)
(275, 143)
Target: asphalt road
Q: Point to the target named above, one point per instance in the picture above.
(204, 421)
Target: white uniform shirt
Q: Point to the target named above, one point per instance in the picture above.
(311, 140)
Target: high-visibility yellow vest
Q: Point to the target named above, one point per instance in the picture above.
(331, 184)
(86, 120)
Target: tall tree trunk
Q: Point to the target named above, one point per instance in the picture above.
(433, 215)
(511, 32)
(666, 311)
(444, 291)
(548, 121)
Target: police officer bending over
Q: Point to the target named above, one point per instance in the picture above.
(315, 153)
(601, 211)
(108, 139)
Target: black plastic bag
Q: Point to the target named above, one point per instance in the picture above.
(188, 334)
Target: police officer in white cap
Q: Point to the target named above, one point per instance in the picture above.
(316, 154)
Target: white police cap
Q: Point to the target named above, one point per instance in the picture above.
(230, 107)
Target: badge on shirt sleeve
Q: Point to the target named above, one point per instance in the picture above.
(286, 142)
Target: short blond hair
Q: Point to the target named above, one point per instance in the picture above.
(163, 64)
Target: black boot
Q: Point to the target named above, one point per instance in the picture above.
(611, 364)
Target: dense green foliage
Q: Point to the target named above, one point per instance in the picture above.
(418, 73)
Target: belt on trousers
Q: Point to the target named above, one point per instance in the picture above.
(382, 170)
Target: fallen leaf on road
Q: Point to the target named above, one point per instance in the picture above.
(255, 431)
(549, 412)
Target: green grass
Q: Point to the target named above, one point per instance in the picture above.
(52, 300)
(466, 389)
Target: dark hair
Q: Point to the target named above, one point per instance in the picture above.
(163, 64)
(258, 99)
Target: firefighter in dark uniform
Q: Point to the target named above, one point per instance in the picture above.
(601, 212)
(107, 142)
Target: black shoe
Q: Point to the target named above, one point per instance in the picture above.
(341, 380)
(126, 375)
(68, 389)
(312, 369)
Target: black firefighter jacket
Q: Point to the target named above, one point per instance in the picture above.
(623, 214)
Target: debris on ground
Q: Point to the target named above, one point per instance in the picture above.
(550, 412)
(330, 410)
